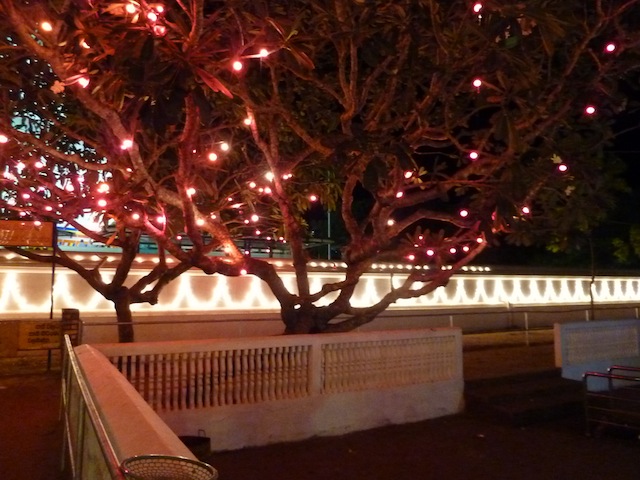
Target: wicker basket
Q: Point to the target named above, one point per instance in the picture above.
(165, 467)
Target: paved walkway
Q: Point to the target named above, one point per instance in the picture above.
(449, 448)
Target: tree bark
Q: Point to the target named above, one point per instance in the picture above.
(122, 303)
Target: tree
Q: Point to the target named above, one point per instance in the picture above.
(430, 128)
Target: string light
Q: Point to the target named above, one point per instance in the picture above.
(102, 203)
(131, 8)
(224, 146)
(313, 198)
(3, 138)
(590, 110)
(213, 157)
(464, 213)
(477, 7)
(46, 26)
(610, 47)
(126, 144)
(83, 82)
(237, 65)
(477, 83)
(474, 155)
(399, 194)
(562, 167)
(526, 210)
(191, 191)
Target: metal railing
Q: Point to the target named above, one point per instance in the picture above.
(87, 446)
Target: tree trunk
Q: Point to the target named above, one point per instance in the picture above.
(122, 303)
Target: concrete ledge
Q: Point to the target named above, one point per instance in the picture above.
(131, 424)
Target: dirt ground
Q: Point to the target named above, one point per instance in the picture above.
(448, 448)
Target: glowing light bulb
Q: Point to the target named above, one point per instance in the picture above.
(562, 167)
(408, 174)
(474, 155)
(243, 272)
(313, 198)
(411, 257)
(237, 65)
(479, 240)
(477, 7)
(159, 30)
(46, 26)
(213, 157)
(269, 176)
(135, 216)
(83, 82)
(391, 222)
(131, 8)
(37, 223)
(3, 138)
(267, 190)
(466, 248)
(103, 188)
(263, 53)
(590, 110)
(84, 44)
(453, 250)
(252, 184)
(399, 194)
(126, 144)
(224, 146)
(191, 191)
(200, 222)
(247, 121)
(255, 218)
(610, 47)
(152, 16)
(26, 196)
(477, 83)
(161, 219)
(430, 252)
(464, 213)
(102, 202)
(526, 210)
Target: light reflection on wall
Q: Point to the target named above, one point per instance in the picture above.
(25, 290)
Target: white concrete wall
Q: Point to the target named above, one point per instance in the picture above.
(255, 391)
(595, 346)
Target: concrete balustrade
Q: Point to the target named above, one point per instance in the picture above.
(260, 390)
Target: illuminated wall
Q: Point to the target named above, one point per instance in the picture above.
(25, 291)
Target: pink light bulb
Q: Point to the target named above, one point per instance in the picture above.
(477, 83)
(237, 65)
(453, 250)
(477, 7)
(526, 210)
(464, 213)
(590, 110)
(562, 167)
(474, 155)
(430, 252)
(3, 138)
(610, 47)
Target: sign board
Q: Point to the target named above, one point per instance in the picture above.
(18, 233)
(43, 335)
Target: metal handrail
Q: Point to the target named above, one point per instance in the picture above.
(108, 452)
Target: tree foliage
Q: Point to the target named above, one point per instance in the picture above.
(429, 127)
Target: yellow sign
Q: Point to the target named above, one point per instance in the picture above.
(16, 233)
(39, 335)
